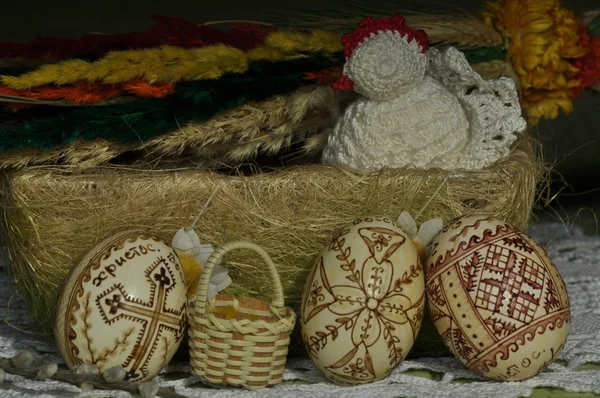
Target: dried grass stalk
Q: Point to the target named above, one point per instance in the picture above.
(463, 31)
(231, 137)
(84, 154)
(54, 215)
(491, 70)
(460, 31)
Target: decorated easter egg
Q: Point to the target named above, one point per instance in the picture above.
(496, 298)
(124, 305)
(364, 301)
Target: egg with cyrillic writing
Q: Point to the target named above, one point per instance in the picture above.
(363, 302)
(496, 298)
(124, 304)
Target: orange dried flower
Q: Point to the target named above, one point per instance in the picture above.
(542, 40)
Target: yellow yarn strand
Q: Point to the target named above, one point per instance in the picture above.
(172, 64)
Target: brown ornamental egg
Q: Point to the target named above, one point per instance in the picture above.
(363, 302)
(496, 298)
(124, 305)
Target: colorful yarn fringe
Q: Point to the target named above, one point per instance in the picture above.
(554, 59)
(167, 31)
(168, 64)
(96, 93)
(146, 118)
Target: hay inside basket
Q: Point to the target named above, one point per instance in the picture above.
(54, 215)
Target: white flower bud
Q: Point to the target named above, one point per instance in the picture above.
(47, 371)
(86, 369)
(23, 359)
(114, 374)
(149, 389)
(86, 386)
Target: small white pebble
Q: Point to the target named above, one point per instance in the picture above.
(86, 369)
(47, 371)
(149, 389)
(86, 386)
(2, 374)
(23, 359)
(114, 374)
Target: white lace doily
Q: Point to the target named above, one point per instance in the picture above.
(577, 257)
(492, 107)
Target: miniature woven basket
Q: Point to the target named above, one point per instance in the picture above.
(250, 349)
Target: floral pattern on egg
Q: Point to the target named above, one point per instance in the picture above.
(496, 298)
(364, 301)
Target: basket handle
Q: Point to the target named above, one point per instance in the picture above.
(217, 256)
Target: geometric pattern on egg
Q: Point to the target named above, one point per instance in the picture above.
(124, 304)
(496, 298)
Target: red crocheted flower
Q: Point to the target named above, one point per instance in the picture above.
(589, 64)
(369, 26)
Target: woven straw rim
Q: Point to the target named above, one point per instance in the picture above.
(215, 258)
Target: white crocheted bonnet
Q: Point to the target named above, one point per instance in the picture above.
(392, 62)
(419, 107)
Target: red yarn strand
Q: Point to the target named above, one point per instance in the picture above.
(324, 76)
(343, 83)
(84, 92)
(168, 30)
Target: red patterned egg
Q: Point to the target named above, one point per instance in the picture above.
(497, 300)
(364, 301)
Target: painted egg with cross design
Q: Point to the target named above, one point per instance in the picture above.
(496, 298)
(364, 302)
(124, 304)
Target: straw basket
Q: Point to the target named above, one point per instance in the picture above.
(248, 350)
(50, 216)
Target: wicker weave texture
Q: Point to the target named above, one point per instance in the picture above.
(249, 348)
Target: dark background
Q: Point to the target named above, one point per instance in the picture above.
(571, 142)
(23, 19)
